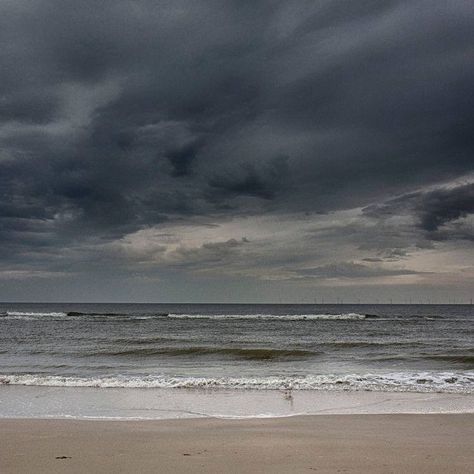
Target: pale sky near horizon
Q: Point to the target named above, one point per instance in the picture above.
(233, 151)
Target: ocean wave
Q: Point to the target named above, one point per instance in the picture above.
(110, 316)
(354, 344)
(456, 358)
(279, 317)
(99, 317)
(31, 314)
(244, 353)
(75, 315)
(443, 382)
(79, 313)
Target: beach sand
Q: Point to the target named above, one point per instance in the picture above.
(442, 443)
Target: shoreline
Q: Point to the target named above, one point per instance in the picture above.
(422, 443)
(76, 403)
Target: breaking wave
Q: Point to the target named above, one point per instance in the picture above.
(279, 317)
(31, 315)
(443, 382)
(108, 316)
(72, 315)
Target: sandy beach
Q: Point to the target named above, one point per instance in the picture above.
(327, 443)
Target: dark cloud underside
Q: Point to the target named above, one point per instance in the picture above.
(117, 117)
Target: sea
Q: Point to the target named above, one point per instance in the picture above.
(177, 350)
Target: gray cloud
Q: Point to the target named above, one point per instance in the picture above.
(438, 213)
(122, 116)
(352, 270)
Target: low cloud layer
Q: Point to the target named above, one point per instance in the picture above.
(304, 143)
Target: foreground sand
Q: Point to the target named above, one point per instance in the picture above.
(325, 443)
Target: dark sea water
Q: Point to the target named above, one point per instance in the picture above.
(420, 348)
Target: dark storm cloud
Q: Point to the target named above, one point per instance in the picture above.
(118, 116)
(439, 213)
(246, 180)
(182, 158)
(442, 206)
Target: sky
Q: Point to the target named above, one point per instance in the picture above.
(236, 151)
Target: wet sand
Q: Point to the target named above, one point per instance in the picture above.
(325, 443)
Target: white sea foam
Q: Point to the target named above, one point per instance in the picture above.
(287, 317)
(31, 315)
(444, 382)
(28, 315)
(55, 315)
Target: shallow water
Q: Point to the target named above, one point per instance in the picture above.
(154, 404)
